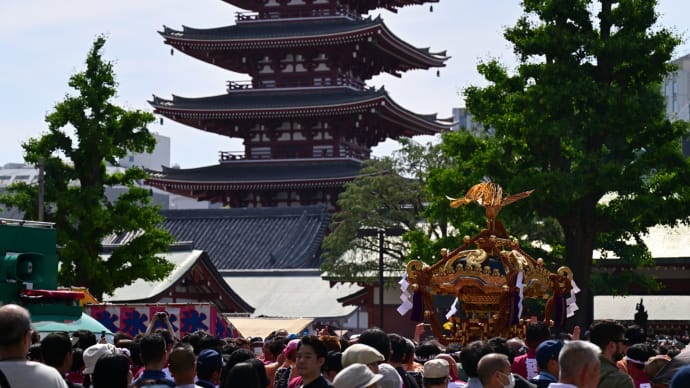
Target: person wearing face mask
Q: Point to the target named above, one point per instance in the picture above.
(609, 335)
(494, 371)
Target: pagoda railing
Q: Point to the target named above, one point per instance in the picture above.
(342, 80)
(246, 16)
(239, 85)
(226, 156)
(297, 13)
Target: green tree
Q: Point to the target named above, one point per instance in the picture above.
(582, 117)
(389, 193)
(76, 179)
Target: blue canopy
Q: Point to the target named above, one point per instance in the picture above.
(50, 323)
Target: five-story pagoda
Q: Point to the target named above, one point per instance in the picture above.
(306, 117)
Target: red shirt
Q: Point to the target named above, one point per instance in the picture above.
(520, 364)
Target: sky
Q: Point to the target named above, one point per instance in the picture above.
(42, 43)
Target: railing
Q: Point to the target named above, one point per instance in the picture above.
(296, 14)
(289, 82)
(345, 80)
(238, 85)
(246, 16)
(226, 156)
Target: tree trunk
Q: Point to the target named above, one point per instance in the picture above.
(579, 233)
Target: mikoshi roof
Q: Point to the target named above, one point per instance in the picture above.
(253, 238)
(263, 104)
(309, 32)
(291, 294)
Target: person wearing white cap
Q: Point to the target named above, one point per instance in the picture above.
(94, 352)
(356, 376)
(436, 373)
(362, 354)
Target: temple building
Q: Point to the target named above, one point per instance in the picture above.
(305, 114)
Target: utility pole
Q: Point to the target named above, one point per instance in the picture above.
(41, 186)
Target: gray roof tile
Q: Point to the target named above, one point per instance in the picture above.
(275, 171)
(261, 238)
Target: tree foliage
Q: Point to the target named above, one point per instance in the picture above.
(76, 179)
(389, 193)
(582, 117)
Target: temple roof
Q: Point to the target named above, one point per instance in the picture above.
(258, 238)
(185, 261)
(281, 34)
(256, 104)
(361, 6)
(256, 174)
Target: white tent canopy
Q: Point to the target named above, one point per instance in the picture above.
(658, 307)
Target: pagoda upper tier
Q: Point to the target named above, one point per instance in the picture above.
(285, 53)
(305, 8)
(262, 183)
(315, 122)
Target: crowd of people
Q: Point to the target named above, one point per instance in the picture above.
(609, 355)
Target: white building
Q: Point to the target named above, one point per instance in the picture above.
(464, 120)
(676, 90)
(22, 172)
(676, 87)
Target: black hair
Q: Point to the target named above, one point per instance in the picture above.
(277, 345)
(603, 332)
(121, 336)
(242, 375)
(260, 370)
(500, 345)
(55, 346)
(471, 354)
(152, 348)
(640, 352)
(236, 357)
(77, 360)
(401, 350)
(377, 339)
(36, 352)
(167, 336)
(536, 333)
(635, 335)
(333, 362)
(111, 371)
(85, 339)
(315, 343)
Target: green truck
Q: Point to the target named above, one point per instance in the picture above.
(28, 277)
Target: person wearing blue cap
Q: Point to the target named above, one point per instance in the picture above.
(682, 378)
(547, 362)
(209, 364)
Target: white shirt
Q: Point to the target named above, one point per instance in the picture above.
(561, 385)
(31, 374)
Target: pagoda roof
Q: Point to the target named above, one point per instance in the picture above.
(253, 238)
(281, 34)
(258, 104)
(361, 6)
(259, 174)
